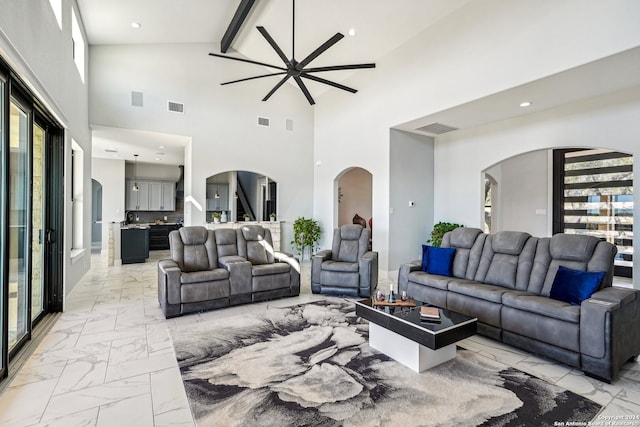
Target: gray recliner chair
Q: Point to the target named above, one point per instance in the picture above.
(191, 280)
(273, 274)
(349, 268)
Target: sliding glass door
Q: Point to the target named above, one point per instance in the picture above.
(18, 215)
(31, 215)
(37, 221)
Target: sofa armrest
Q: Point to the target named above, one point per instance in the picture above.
(168, 282)
(239, 273)
(403, 274)
(606, 339)
(316, 265)
(368, 267)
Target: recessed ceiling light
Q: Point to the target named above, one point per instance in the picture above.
(525, 104)
(157, 158)
(162, 147)
(136, 25)
(352, 32)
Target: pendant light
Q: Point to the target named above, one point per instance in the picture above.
(135, 173)
(217, 195)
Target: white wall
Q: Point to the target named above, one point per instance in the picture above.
(111, 174)
(221, 120)
(523, 200)
(152, 171)
(41, 53)
(605, 122)
(480, 49)
(411, 179)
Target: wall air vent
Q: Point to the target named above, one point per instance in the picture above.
(136, 99)
(175, 107)
(263, 121)
(436, 128)
(110, 150)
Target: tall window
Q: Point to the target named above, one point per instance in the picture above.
(77, 195)
(593, 194)
(56, 6)
(78, 44)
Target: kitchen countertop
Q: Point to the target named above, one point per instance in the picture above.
(144, 225)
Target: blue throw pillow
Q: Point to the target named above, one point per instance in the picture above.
(438, 260)
(575, 286)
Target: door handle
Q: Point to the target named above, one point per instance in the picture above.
(50, 238)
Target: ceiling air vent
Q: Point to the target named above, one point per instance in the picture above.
(263, 121)
(437, 128)
(289, 125)
(175, 107)
(136, 99)
(110, 150)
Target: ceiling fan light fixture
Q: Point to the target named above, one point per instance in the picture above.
(297, 69)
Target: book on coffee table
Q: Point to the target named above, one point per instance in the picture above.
(430, 313)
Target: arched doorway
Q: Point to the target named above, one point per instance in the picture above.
(354, 197)
(96, 217)
(577, 190)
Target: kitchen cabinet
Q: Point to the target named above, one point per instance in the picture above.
(159, 235)
(151, 196)
(221, 203)
(134, 244)
(136, 200)
(162, 196)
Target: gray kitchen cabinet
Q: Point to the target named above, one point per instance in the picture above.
(162, 196)
(136, 200)
(221, 203)
(151, 196)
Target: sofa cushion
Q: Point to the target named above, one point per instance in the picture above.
(344, 267)
(226, 241)
(483, 291)
(573, 247)
(430, 280)
(204, 276)
(509, 242)
(275, 268)
(575, 286)
(544, 306)
(438, 260)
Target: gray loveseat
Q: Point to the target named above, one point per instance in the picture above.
(505, 279)
(217, 268)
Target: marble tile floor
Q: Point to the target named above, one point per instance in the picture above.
(108, 360)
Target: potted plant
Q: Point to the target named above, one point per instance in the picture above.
(306, 234)
(216, 217)
(439, 230)
(272, 217)
(246, 217)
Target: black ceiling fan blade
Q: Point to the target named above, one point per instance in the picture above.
(304, 90)
(252, 78)
(273, 44)
(248, 61)
(276, 87)
(313, 55)
(339, 67)
(328, 82)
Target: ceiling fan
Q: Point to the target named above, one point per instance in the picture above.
(294, 69)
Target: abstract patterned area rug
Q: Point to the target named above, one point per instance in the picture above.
(310, 365)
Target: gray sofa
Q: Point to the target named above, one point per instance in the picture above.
(217, 268)
(504, 279)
